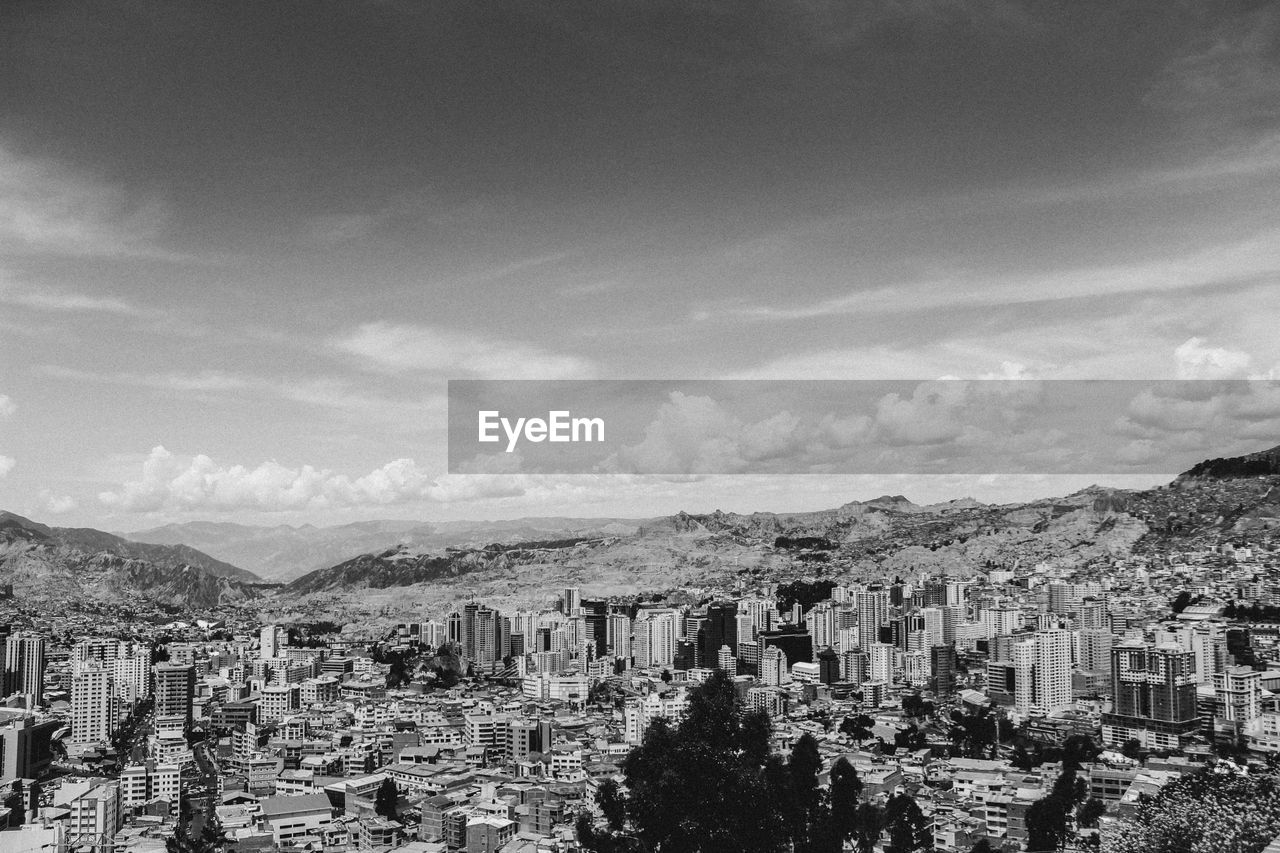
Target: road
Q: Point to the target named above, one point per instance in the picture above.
(202, 792)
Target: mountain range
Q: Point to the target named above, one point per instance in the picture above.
(68, 564)
(386, 566)
(282, 552)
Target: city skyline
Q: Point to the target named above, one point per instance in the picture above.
(264, 247)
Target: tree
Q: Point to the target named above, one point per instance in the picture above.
(1181, 602)
(1047, 823)
(1088, 812)
(982, 845)
(1217, 808)
(907, 827)
(1132, 748)
(846, 791)
(384, 801)
(611, 804)
(867, 827)
(858, 728)
(1022, 759)
(914, 706)
(446, 664)
(711, 784)
(909, 738)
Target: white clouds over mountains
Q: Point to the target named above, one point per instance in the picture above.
(172, 484)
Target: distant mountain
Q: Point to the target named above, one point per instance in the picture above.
(1264, 463)
(285, 553)
(874, 539)
(50, 563)
(88, 539)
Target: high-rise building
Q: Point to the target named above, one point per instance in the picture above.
(571, 602)
(24, 667)
(1053, 671)
(883, 663)
(1154, 696)
(271, 640)
(828, 666)
(1066, 598)
(873, 611)
(773, 667)
(1023, 657)
(95, 816)
(720, 628)
(619, 638)
(93, 705)
(655, 638)
(174, 689)
(727, 661)
(26, 748)
(1095, 650)
(1238, 690)
(855, 666)
(795, 642)
(942, 663)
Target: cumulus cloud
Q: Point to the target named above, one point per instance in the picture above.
(6, 464)
(934, 424)
(170, 483)
(1198, 419)
(58, 504)
(1197, 360)
(400, 348)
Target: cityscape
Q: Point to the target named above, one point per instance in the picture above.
(1053, 702)
(639, 426)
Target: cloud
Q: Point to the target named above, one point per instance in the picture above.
(58, 504)
(66, 302)
(7, 408)
(1196, 360)
(199, 484)
(47, 208)
(204, 381)
(1231, 74)
(1242, 260)
(935, 425)
(1199, 419)
(401, 348)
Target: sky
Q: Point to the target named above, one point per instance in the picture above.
(244, 246)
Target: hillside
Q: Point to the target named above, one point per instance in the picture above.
(285, 553)
(859, 540)
(1264, 463)
(88, 539)
(53, 564)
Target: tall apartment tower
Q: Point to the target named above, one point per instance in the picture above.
(93, 706)
(175, 686)
(24, 666)
(873, 611)
(270, 640)
(719, 629)
(1053, 670)
(1154, 695)
(571, 603)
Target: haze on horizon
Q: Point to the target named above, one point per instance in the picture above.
(243, 246)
